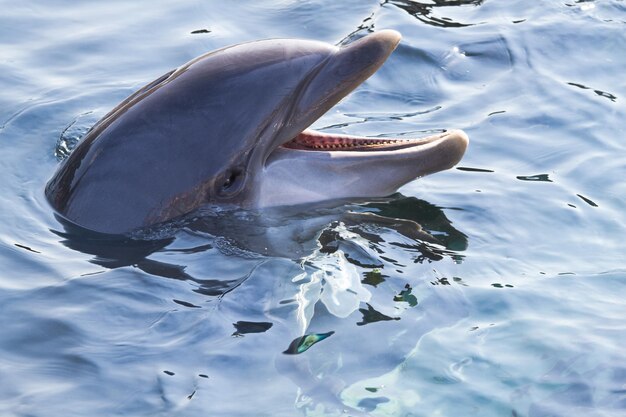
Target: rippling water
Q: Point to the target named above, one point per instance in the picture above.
(516, 308)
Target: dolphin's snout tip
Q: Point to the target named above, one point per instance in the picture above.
(382, 41)
(457, 142)
(389, 36)
(460, 137)
(386, 39)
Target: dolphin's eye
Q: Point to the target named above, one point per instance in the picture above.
(232, 181)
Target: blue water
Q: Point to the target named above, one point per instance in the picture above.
(519, 310)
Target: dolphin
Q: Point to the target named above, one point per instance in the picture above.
(230, 128)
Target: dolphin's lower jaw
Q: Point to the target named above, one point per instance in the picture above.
(316, 166)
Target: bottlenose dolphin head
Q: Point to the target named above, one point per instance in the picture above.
(230, 127)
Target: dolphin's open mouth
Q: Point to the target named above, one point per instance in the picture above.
(312, 140)
(347, 68)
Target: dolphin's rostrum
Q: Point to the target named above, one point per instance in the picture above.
(230, 127)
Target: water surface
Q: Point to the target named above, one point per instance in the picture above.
(516, 309)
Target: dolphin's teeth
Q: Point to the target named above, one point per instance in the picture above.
(320, 142)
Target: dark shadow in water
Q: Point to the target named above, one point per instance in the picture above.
(601, 93)
(371, 315)
(112, 251)
(537, 177)
(370, 404)
(246, 327)
(374, 278)
(445, 239)
(423, 11)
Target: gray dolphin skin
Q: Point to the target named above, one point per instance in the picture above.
(230, 128)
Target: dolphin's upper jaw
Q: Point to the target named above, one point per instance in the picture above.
(312, 140)
(303, 166)
(343, 71)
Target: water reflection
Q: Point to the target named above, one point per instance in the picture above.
(303, 343)
(601, 93)
(407, 223)
(245, 327)
(347, 281)
(371, 315)
(423, 11)
(112, 251)
(431, 218)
